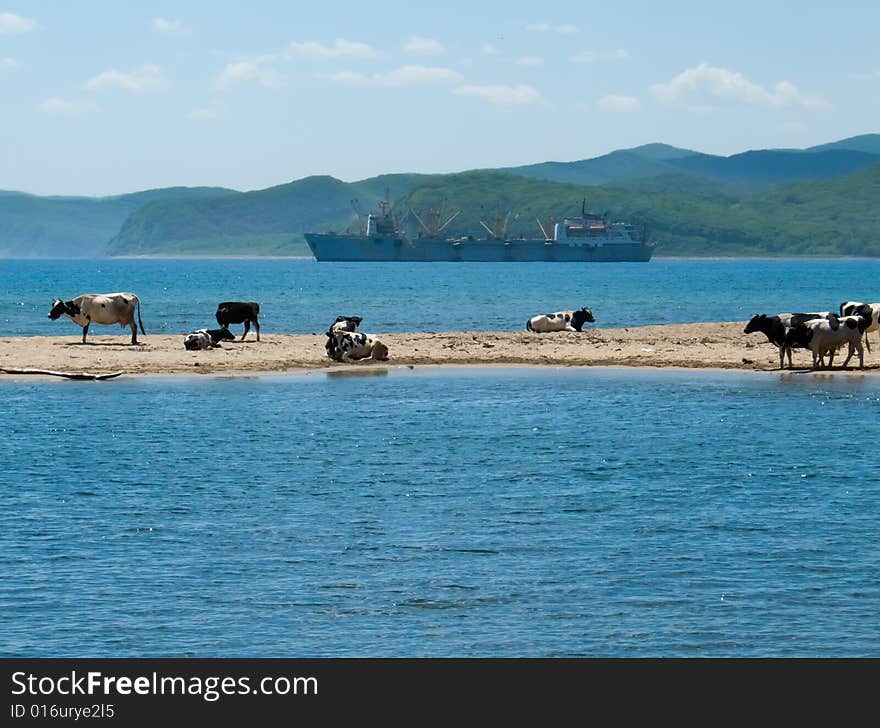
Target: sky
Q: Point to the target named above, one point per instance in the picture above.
(103, 97)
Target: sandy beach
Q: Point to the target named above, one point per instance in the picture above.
(696, 346)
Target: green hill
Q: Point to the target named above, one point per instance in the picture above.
(758, 168)
(32, 226)
(824, 217)
(263, 222)
(869, 143)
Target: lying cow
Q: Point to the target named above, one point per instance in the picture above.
(342, 323)
(206, 339)
(821, 338)
(776, 329)
(100, 308)
(346, 323)
(237, 312)
(348, 345)
(870, 311)
(560, 321)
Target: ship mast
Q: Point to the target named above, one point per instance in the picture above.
(433, 228)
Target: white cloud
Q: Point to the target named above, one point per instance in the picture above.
(147, 77)
(591, 56)
(549, 28)
(262, 71)
(530, 61)
(489, 49)
(11, 24)
(405, 76)
(618, 103)
(417, 44)
(250, 71)
(503, 95)
(721, 83)
(341, 48)
(163, 25)
(66, 108)
(8, 64)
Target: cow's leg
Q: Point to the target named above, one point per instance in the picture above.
(247, 327)
(85, 331)
(257, 327)
(134, 333)
(849, 354)
(867, 343)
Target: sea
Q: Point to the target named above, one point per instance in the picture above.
(440, 512)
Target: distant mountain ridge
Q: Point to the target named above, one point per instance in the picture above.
(655, 181)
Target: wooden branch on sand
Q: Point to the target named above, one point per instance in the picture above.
(66, 375)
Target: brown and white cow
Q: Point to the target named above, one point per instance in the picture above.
(100, 308)
(352, 345)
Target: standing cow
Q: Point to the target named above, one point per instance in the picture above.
(100, 308)
(236, 312)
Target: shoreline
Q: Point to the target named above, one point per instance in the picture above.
(703, 346)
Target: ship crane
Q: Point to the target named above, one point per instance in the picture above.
(499, 230)
(433, 227)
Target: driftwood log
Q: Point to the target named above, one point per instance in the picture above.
(66, 375)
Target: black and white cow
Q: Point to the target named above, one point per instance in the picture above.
(776, 329)
(821, 337)
(352, 345)
(346, 323)
(101, 308)
(560, 321)
(870, 311)
(237, 312)
(206, 339)
(342, 323)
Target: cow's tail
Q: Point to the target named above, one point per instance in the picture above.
(138, 304)
(529, 325)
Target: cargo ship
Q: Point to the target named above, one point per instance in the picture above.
(585, 238)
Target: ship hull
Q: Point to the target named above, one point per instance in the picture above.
(357, 248)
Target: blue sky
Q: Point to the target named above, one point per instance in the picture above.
(103, 97)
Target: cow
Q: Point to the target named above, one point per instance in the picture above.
(342, 323)
(100, 308)
(870, 311)
(776, 329)
(207, 338)
(348, 345)
(821, 338)
(560, 321)
(346, 323)
(237, 312)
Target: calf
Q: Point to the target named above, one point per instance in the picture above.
(100, 308)
(348, 345)
(560, 321)
(870, 311)
(237, 312)
(342, 323)
(776, 329)
(821, 338)
(207, 338)
(346, 323)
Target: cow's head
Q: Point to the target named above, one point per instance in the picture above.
(579, 318)
(755, 323)
(61, 308)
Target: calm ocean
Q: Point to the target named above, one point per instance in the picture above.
(303, 296)
(440, 512)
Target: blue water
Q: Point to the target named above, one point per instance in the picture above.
(303, 296)
(474, 512)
